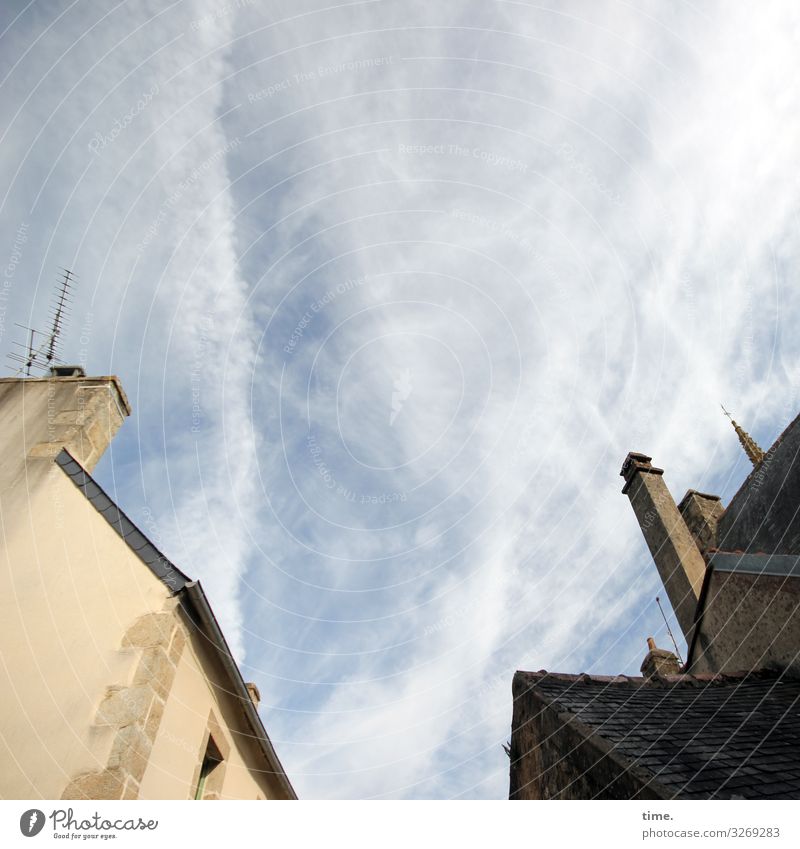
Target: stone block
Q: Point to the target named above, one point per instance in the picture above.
(178, 642)
(152, 629)
(68, 417)
(153, 720)
(108, 784)
(156, 670)
(45, 449)
(131, 790)
(124, 706)
(130, 752)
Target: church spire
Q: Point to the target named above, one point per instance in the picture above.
(754, 453)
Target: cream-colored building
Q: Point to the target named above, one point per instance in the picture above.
(116, 679)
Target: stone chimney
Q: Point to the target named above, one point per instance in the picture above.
(255, 695)
(702, 512)
(677, 557)
(659, 662)
(66, 409)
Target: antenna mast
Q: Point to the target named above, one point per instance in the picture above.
(669, 630)
(45, 354)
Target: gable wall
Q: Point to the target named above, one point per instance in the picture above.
(200, 702)
(69, 589)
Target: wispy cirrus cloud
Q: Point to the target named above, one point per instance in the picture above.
(416, 279)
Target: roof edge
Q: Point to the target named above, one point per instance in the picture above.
(161, 566)
(194, 593)
(184, 587)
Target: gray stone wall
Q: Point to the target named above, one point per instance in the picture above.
(749, 622)
(551, 757)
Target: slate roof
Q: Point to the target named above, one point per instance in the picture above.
(763, 515)
(141, 546)
(697, 736)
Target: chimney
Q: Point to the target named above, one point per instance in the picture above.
(255, 695)
(659, 662)
(66, 409)
(677, 557)
(701, 513)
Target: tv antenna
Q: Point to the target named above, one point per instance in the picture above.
(669, 630)
(42, 350)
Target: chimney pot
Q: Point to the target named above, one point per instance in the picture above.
(67, 371)
(659, 662)
(255, 695)
(636, 462)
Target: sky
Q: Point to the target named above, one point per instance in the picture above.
(393, 288)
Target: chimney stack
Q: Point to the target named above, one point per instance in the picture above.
(255, 695)
(702, 513)
(677, 557)
(659, 662)
(66, 409)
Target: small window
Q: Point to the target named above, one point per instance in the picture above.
(211, 761)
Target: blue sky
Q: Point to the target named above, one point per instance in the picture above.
(393, 288)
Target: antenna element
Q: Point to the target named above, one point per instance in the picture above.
(44, 355)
